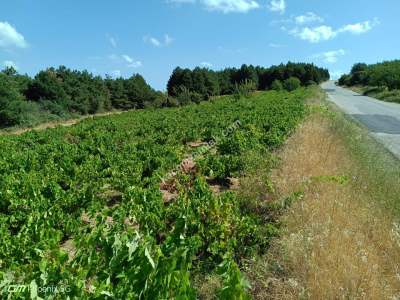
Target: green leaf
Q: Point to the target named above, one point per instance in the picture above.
(151, 261)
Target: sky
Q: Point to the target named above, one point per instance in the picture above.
(152, 37)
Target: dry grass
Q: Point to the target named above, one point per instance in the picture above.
(337, 244)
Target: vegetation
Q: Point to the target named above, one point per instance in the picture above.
(312, 256)
(292, 84)
(85, 207)
(356, 183)
(211, 83)
(63, 93)
(277, 85)
(380, 80)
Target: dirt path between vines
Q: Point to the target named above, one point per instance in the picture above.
(336, 243)
(54, 124)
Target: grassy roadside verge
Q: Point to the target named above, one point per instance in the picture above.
(379, 168)
(341, 239)
(379, 93)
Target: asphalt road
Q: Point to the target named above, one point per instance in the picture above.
(381, 118)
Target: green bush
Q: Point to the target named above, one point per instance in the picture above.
(291, 84)
(55, 107)
(277, 85)
(310, 83)
(385, 74)
(12, 103)
(344, 80)
(245, 89)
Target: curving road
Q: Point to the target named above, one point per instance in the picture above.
(381, 118)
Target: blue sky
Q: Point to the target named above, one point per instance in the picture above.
(152, 37)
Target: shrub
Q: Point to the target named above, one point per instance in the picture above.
(292, 84)
(245, 89)
(172, 102)
(11, 101)
(54, 107)
(344, 80)
(311, 82)
(277, 85)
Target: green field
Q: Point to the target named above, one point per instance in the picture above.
(81, 207)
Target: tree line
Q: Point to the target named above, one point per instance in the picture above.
(382, 75)
(205, 83)
(64, 93)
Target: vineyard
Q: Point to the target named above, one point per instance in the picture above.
(125, 206)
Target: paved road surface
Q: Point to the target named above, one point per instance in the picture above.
(381, 118)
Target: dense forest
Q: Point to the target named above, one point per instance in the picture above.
(381, 80)
(64, 93)
(208, 83)
(385, 74)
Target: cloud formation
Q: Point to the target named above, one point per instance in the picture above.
(224, 6)
(315, 34)
(131, 62)
(330, 57)
(167, 40)
(360, 28)
(309, 17)
(325, 32)
(230, 6)
(10, 37)
(125, 60)
(277, 6)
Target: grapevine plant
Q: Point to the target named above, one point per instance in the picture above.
(81, 207)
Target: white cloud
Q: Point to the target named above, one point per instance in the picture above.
(132, 63)
(277, 6)
(206, 64)
(158, 43)
(359, 28)
(325, 33)
(10, 37)
(309, 17)
(10, 64)
(181, 1)
(314, 35)
(229, 6)
(125, 59)
(155, 42)
(330, 57)
(224, 6)
(135, 64)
